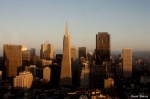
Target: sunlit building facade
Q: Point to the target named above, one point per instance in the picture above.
(46, 62)
(47, 73)
(73, 52)
(23, 81)
(47, 51)
(66, 71)
(127, 62)
(24, 48)
(13, 59)
(108, 83)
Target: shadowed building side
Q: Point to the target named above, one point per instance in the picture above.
(82, 54)
(102, 47)
(66, 74)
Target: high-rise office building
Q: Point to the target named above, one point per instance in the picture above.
(102, 47)
(23, 81)
(82, 52)
(119, 71)
(31, 69)
(47, 73)
(73, 52)
(55, 75)
(0, 77)
(107, 65)
(13, 59)
(26, 55)
(97, 76)
(35, 60)
(66, 71)
(85, 76)
(75, 72)
(89, 57)
(39, 73)
(59, 58)
(32, 52)
(36, 71)
(127, 62)
(47, 51)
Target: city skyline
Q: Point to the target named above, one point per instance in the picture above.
(29, 23)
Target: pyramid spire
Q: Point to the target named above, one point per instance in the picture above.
(66, 32)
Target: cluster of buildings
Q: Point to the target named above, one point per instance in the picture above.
(85, 70)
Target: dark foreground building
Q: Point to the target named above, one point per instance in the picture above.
(102, 47)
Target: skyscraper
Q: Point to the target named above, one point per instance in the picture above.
(127, 62)
(13, 59)
(26, 55)
(47, 51)
(89, 56)
(32, 52)
(85, 76)
(102, 47)
(59, 59)
(73, 52)
(32, 69)
(82, 54)
(66, 72)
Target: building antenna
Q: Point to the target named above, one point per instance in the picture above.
(46, 40)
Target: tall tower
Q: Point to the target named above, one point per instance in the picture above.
(73, 52)
(127, 62)
(13, 59)
(82, 52)
(66, 72)
(102, 47)
(47, 51)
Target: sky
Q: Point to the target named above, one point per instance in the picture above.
(31, 22)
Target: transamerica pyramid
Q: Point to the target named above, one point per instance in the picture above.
(66, 72)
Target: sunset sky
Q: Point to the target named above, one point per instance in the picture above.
(31, 22)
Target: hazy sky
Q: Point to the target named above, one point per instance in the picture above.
(30, 22)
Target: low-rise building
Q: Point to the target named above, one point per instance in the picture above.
(108, 83)
(23, 81)
(46, 62)
(47, 73)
